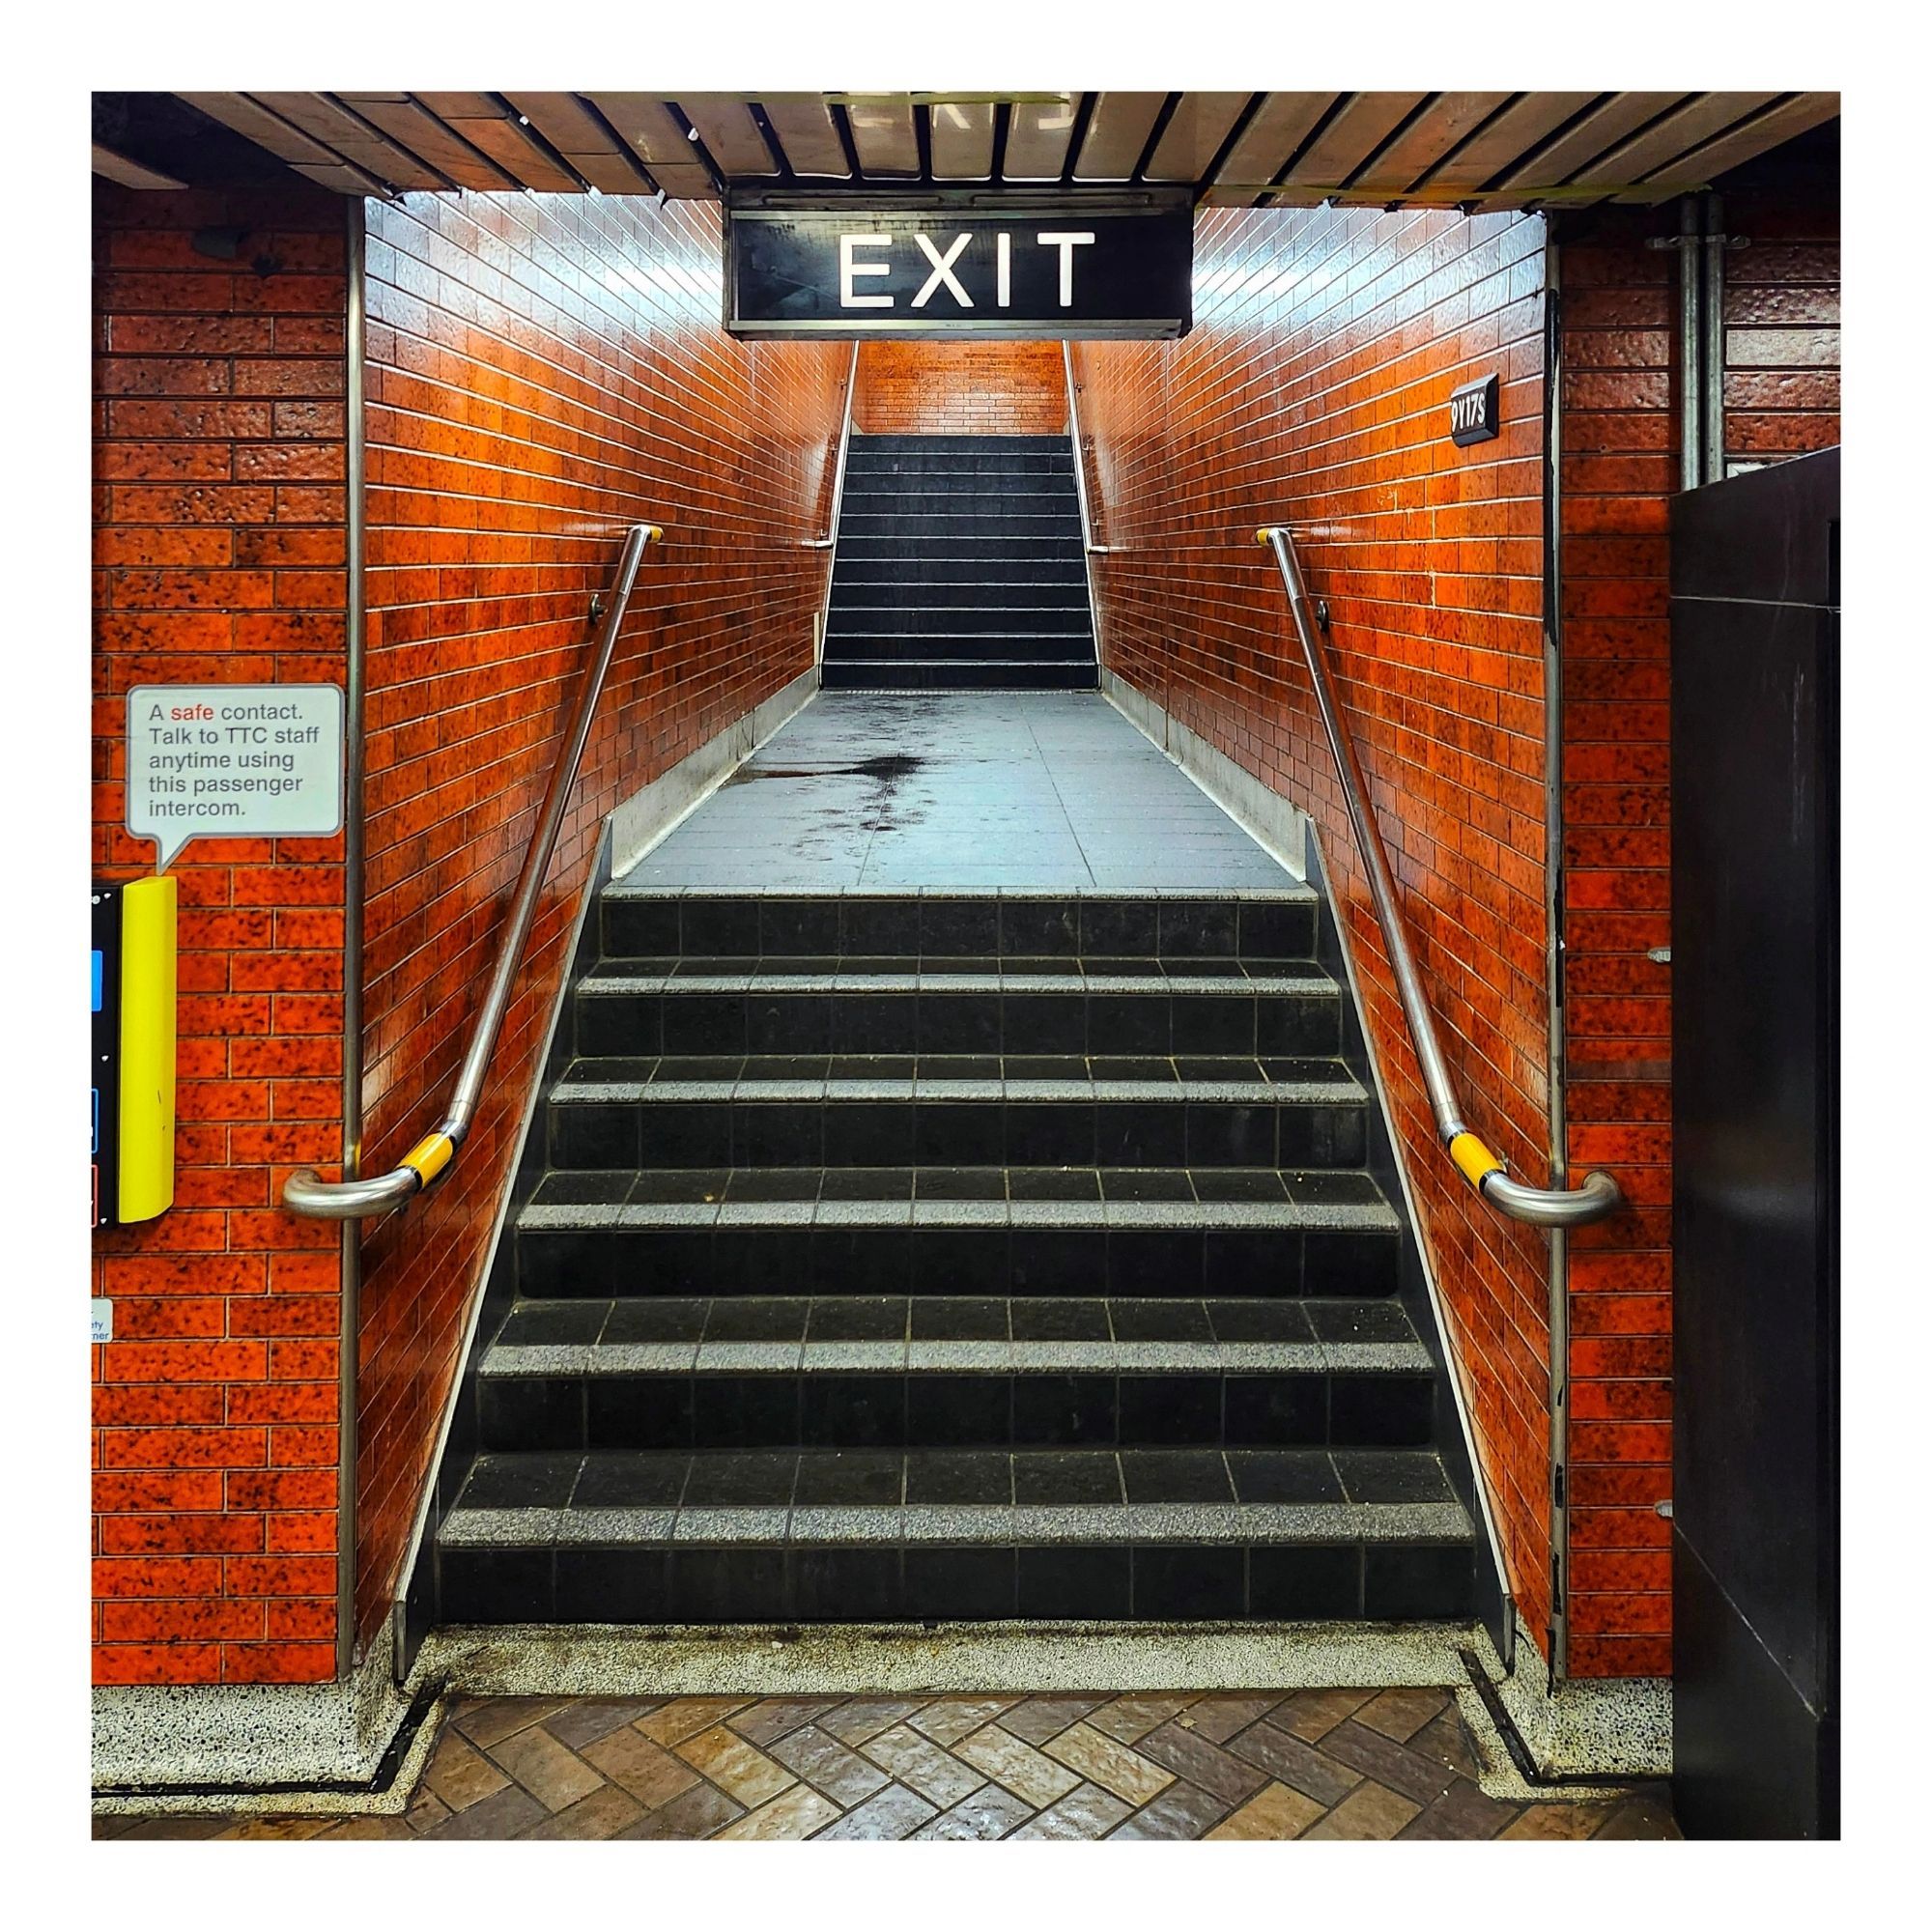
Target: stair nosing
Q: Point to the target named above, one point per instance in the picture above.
(514, 1361)
(1004, 1523)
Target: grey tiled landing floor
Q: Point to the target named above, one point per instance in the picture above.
(1316, 1764)
(892, 791)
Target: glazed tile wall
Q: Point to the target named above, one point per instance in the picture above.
(542, 371)
(218, 548)
(961, 388)
(1620, 438)
(1312, 390)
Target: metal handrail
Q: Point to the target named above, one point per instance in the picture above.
(831, 536)
(306, 1192)
(1599, 1195)
(1080, 458)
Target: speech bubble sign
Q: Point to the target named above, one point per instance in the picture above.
(233, 761)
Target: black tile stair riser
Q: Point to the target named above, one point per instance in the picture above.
(856, 1583)
(627, 1134)
(1276, 1025)
(1262, 932)
(907, 676)
(828, 1408)
(563, 1262)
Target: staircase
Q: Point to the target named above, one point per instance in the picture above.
(959, 566)
(950, 1258)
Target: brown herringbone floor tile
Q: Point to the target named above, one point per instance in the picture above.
(1222, 1766)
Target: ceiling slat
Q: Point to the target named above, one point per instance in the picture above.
(1598, 130)
(1116, 131)
(962, 140)
(882, 132)
(306, 156)
(1405, 159)
(1366, 120)
(114, 167)
(362, 146)
(1784, 123)
(1037, 135)
(485, 124)
(1534, 118)
(646, 123)
(425, 136)
(1193, 135)
(1279, 126)
(724, 125)
(803, 126)
(1697, 122)
(582, 139)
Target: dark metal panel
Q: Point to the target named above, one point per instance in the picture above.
(1755, 672)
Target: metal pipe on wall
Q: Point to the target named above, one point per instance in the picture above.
(354, 455)
(1558, 1647)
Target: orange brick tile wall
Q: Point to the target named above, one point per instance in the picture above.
(1313, 390)
(542, 371)
(961, 388)
(218, 548)
(1620, 438)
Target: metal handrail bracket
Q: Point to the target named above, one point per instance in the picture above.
(1599, 1194)
(306, 1192)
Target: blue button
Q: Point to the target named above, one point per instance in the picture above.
(97, 978)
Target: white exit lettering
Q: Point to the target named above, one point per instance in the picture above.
(940, 263)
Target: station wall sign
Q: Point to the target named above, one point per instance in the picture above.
(1064, 268)
(1475, 411)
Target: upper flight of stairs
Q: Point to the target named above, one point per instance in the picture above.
(951, 1258)
(959, 566)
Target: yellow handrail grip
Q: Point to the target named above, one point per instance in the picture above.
(147, 1138)
(1475, 1160)
(429, 1155)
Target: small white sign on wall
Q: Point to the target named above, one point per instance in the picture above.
(233, 761)
(104, 1318)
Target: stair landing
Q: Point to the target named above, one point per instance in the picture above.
(894, 792)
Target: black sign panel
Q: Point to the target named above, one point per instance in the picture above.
(1475, 410)
(1038, 268)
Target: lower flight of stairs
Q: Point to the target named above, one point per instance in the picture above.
(959, 566)
(953, 1258)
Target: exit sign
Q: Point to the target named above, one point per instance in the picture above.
(1475, 410)
(1067, 266)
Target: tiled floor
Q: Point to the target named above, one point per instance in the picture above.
(1316, 1764)
(894, 791)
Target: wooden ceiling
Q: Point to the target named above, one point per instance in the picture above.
(1473, 150)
